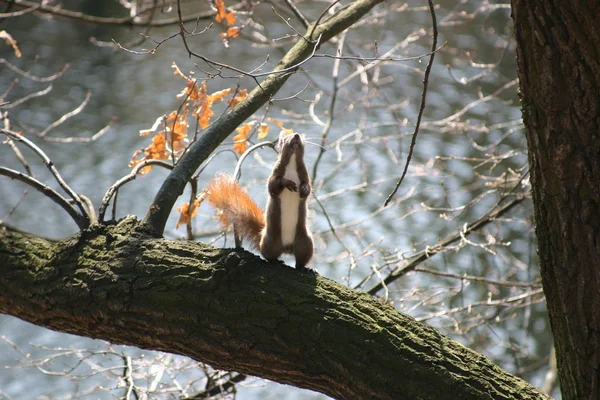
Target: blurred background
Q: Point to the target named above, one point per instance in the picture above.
(482, 288)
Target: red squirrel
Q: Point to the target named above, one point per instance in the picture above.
(283, 229)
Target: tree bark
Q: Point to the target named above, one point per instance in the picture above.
(234, 311)
(558, 49)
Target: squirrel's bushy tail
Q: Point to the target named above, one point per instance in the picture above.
(236, 207)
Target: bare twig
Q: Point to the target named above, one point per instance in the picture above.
(72, 139)
(486, 303)
(218, 388)
(418, 258)
(127, 178)
(478, 278)
(34, 78)
(329, 124)
(125, 21)
(50, 165)
(423, 97)
(297, 13)
(81, 221)
(237, 173)
(68, 115)
(30, 96)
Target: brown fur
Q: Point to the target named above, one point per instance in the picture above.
(250, 222)
(271, 245)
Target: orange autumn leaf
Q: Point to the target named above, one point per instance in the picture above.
(191, 91)
(241, 95)
(218, 96)
(171, 131)
(232, 32)
(241, 143)
(280, 124)
(240, 147)
(204, 113)
(177, 128)
(263, 130)
(276, 122)
(203, 106)
(157, 150)
(186, 214)
(224, 15)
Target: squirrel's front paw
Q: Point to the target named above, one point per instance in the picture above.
(304, 190)
(290, 185)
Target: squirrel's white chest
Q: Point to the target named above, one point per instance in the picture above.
(290, 201)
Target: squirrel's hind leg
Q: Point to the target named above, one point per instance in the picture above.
(303, 250)
(270, 247)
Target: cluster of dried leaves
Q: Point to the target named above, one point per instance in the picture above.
(171, 131)
(227, 18)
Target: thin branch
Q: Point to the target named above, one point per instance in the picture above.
(329, 124)
(237, 173)
(14, 147)
(81, 221)
(72, 139)
(14, 208)
(218, 388)
(68, 115)
(124, 21)
(334, 233)
(478, 278)
(486, 303)
(297, 13)
(30, 96)
(381, 58)
(423, 97)
(420, 257)
(127, 178)
(33, 77)
(50, 165)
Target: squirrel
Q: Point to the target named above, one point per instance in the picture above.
(282, 228)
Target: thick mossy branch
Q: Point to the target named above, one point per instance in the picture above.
(234, 311)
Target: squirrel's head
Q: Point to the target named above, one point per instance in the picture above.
(293, 142)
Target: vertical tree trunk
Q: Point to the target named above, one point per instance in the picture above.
(558, 49)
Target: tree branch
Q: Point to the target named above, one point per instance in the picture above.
(229, 309)
(158, 213)
(81, 221)
(124, 21)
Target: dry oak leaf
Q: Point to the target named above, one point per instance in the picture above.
(263, 130)
(241, 143)
(286, 131)
(241, 95)
(218, 96)
(185, 215)
(224, 15)
(232, 32)
(157, 150)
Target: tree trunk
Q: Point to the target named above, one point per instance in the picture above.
(558, 49)
(234, 311)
